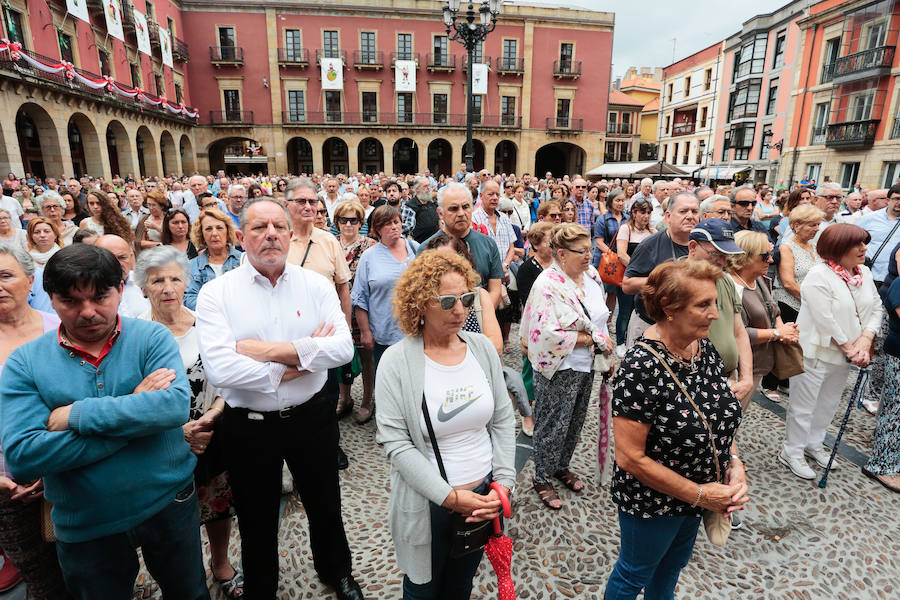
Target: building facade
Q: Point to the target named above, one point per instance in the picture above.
(267, 105)
(689, 103)
(76, 100)
(845, 113)
(623, 128)
(760, 65)
(646, 91)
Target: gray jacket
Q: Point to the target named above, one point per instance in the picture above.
(414, 480)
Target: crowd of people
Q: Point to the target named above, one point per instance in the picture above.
(241, 309)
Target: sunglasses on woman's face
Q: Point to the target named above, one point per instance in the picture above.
(321, 211)
(449, 301)
(347, 220)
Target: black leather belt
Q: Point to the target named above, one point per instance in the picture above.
(287, 412)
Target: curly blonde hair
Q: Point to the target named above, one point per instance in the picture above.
(421, 282)
(197, 227)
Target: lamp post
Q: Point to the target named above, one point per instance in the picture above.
(469, 33)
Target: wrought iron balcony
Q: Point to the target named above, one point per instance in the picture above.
(828, 72)
(484, 60)
(564, 124)
(686, 128)
(226, 56)
(851, 134)
(180, 50)
(321, 53)
(413, 56)
(306, 118)
(294, 57)
(153, 32)
(874, 62)
(567, 69)
(619, 129)
(510, 65)
(440, 62)
(366, 59)
(231, 117)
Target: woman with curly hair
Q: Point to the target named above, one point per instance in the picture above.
(449, 383)
(105, 217)
(213, 235)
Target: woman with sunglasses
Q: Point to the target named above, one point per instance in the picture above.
(563, 325)
(446, 423)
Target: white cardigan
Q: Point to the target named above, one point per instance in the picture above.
(833, 313)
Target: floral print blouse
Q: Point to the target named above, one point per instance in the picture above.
(643, 391)
(355, 250)
(553, 316)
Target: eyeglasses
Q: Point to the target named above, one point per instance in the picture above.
(347, 220)
(579, 187)
(585, 252)
(554, 215)
(321, 211)
(713, 253)
(282, 184)
(832, 196)
(744, 202)
(5, 219)
(449, 301)
(304, 200)
(507, 212)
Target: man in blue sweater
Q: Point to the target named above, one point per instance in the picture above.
(96, 409)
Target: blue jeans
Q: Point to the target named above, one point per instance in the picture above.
(106, 567)
(626, 306)
(652, 554)
(451, 578)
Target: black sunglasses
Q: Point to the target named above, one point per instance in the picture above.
(745, 202)
(449, 301)
(347, 220)
(765, 256)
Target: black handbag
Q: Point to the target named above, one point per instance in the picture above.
(467, 537)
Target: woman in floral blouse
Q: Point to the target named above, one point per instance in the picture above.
(565, 321)
(666, 471)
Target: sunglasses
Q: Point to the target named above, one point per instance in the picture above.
(765, 256)
(449, 301)
(745, 202)
(321, 211)
(507, 212)
(554, 215)
(347, 220)
(304, 200)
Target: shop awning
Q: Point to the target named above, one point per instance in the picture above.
(647, 168)
(720, 173)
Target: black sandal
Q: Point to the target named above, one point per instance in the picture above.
(569, 479)
(234, 587)
(547, 494)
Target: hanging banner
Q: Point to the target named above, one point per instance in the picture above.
(165, 47)
(479, 78)
(78, 8)
(112, 11)
(141, 33)
(405, 75)
(332, 74)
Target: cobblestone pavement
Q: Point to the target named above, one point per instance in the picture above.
(798, 541)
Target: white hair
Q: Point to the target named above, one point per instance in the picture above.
(453, 185)
(829, 185)
(51, 196)
(646, 181)
(158, 257)
(237, 187)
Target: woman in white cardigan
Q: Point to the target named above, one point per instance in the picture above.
(840, 313)
(456, 376)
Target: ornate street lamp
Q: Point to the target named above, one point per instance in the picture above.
(469, 33)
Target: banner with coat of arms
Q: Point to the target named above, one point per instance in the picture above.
(77, 8)
(165, 47)
(332, 74)
(405, 75)
(141, 33)
(112, 12)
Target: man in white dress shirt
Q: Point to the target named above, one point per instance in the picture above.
(269, 331)
(134, 303)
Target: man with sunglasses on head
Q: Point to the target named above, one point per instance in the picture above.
(743, 201)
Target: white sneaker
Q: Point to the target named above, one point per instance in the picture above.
(871, 406)
(620, 350)
(821, 456)
(797, 466)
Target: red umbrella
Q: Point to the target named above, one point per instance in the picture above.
(499, 550)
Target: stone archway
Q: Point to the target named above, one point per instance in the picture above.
(406, 156)
(84, 146)
(335, 156)
(119, 150)
(477, 154)
(186, 150)
(167, 153)
(560, 158)
(39, 142)
(237, 155)
(370, 156)
(505, 155)
(299, 156)
(440, 157)
(147, 157)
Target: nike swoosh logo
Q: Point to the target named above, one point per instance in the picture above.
(443, 417)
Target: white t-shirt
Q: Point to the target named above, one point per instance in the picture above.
(460, 403)
(217, 269)
(582, 359)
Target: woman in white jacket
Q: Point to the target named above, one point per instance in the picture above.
(840, 312)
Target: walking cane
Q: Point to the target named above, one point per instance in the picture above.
(863, 374)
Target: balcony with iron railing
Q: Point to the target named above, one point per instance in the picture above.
(322, 53)
(293, 57)
(231, 117)
(510, 65)
(392, 119)
(617, 157)
(222, 56)
(180, 50)
(368, 59)
(851, 134)
(153, 32)
(619, 129)
(443, 62)
(685, 128)
(567, 69)
(828, 72)
(564, 124)
(59, 82)
(874, 62)
(413, 56)
(483, 60)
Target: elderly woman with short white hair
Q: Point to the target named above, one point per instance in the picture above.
(53, 206)
(9, 233)
(162, 272)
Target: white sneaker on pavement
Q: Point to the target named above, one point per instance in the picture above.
(797, 466)
(821, 456)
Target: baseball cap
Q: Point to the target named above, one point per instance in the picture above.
(717, 232)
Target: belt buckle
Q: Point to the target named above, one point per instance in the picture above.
(285, 413)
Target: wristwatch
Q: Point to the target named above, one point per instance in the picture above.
(775, 335)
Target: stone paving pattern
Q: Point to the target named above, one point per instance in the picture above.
(798, 541)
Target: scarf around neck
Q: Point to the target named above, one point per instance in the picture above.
(853, 277)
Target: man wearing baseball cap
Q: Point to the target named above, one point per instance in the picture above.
(712, 240)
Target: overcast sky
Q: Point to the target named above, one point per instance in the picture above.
(644, 29)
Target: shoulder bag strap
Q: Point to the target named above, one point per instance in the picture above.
(691, 400)
(306, 254)
(434, 446)
(886, 240)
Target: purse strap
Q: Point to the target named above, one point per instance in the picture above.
(434, 446)
(886, 240)
(691, 400)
